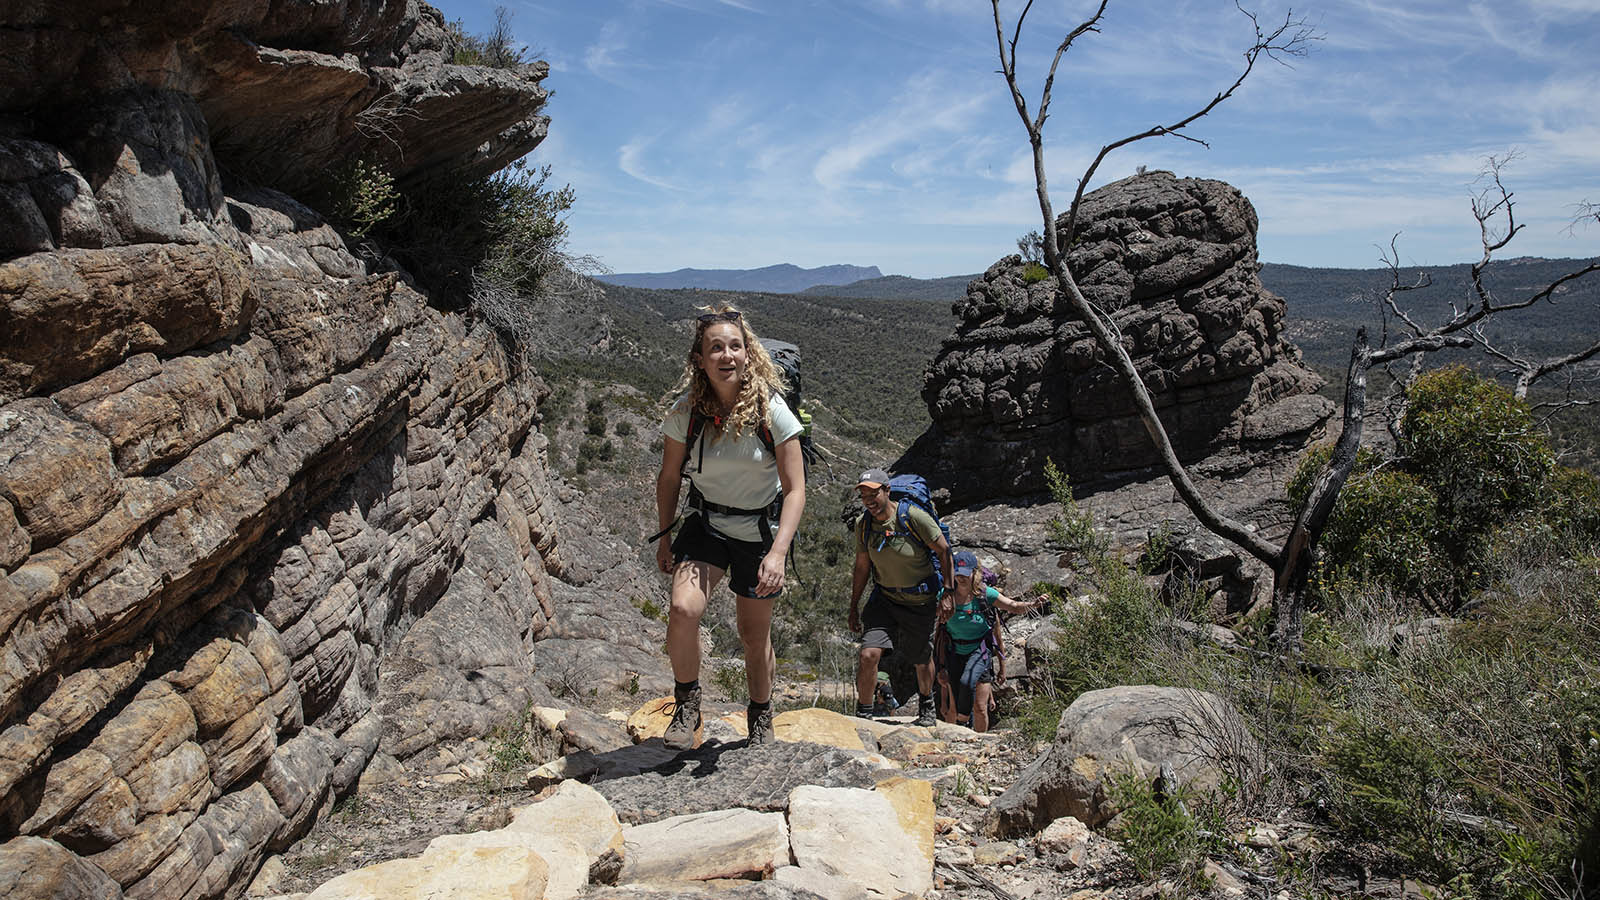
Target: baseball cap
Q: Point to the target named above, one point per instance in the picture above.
(873, 478)
(966, 562)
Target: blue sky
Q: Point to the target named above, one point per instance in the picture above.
(743, 133)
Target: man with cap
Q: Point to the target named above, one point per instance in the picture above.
(905, 606)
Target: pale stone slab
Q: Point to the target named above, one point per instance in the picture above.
(912, 800)
(856, 835)
(828, 887)
(724, 843)
(489, 873)
(567, 861)
(819, 726)
(577, 812)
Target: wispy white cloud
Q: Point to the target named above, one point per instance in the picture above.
(630, 159)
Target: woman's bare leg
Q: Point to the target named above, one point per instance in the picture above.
(692, 583)
(754, 618)
(980, 706)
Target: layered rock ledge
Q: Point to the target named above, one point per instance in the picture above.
(266, 514)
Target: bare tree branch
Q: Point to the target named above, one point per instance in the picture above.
(1291, 38)
(1290, 579)
(1101, 325)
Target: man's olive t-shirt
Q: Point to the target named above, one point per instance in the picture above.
(737, 473)
(898, 560)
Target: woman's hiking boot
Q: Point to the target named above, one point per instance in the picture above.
(925, 717)
(759, 718)
(685, 719)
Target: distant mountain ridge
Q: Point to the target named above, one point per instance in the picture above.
(898, 287)
(784, 278)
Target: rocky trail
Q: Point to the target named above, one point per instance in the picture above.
(838, 807)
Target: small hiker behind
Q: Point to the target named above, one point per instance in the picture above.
(971, 648)
(735, 438)
(897, 543)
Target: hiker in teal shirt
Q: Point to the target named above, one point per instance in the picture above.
(970, 655)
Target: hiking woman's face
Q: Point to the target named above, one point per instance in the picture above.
(723, 355)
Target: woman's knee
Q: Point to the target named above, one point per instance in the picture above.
(686, 609)
(754, 634)
(870, 655)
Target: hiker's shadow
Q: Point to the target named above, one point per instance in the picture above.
(652, 756)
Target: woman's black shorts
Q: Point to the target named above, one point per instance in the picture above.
(740, 559)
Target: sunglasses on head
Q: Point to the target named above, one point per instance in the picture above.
(731, 315)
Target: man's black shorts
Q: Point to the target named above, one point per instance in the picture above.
(907, 630)
(740, 559)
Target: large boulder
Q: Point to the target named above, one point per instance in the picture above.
(1137, 731)
(1173, 260)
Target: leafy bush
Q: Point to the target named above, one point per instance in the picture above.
(1469, 460)
(496, 244)
(1033, 273)
(360, 196)
(1111, 639)
(1475, 447)
(1158, 831)
(730, 681)
(1384, 528)
(1478, 752)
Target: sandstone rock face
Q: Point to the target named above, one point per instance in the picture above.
(288, 89)
(265, 514)
(1021, 381)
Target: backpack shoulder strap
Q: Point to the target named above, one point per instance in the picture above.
(697, 424)
(902, 520)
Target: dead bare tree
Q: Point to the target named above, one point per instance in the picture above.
(1293, 561)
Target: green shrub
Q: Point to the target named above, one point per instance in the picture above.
(359, 195)
(1165, 833)
(494, 244)
(730, 681)
(1383, 529)
(1474, 445)
(623, 428)
(1423, 523)
(1479, 752)
(1033, 273)
(1110, 640)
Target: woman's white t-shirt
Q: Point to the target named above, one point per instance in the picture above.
(738, 473)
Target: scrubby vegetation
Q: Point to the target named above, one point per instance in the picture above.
(1465, 750)
(497, 49)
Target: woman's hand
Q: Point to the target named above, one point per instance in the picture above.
(769, 578)
(854, 618)
(664, 554)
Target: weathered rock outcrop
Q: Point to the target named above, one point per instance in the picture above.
(1193, 737)
(264, 511)
(1021, 380)
(287, 88)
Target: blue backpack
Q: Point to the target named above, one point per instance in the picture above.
(907, 490)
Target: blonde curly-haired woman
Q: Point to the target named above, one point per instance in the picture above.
(733, 435)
